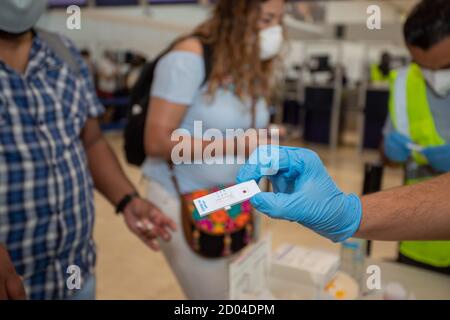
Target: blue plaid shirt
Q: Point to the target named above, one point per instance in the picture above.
(46, 191)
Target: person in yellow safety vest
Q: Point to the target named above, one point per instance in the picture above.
(379, 73)
(417, 132)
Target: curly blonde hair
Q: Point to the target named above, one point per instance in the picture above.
(232, 33)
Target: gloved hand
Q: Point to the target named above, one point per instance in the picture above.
(303, 191)
(395, 147)
(438, 157)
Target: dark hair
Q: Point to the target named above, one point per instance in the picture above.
(85, 52)
(428, 24)
(385, 63)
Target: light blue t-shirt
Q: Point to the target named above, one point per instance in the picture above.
(179, 78)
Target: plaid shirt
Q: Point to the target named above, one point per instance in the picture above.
(46, 191)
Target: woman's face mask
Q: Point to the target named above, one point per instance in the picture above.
(270, 42)
(438, 80)
(18, 16)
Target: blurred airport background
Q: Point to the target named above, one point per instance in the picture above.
(332, 96)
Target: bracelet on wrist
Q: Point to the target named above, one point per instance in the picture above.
(125, 201)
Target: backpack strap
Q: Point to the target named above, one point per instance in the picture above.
(207, 59)
(56, 44)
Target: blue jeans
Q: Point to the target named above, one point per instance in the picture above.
(87, 291)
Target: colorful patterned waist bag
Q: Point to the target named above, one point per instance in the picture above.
(221, 233)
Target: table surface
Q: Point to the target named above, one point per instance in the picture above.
(423, 284)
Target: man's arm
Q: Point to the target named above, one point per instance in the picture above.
(141, 217)
(305, 193)
(106, 171)
(418, 212)
(11, 286)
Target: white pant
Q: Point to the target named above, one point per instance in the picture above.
(200, 278)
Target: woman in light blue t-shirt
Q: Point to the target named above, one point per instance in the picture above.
(245, 36)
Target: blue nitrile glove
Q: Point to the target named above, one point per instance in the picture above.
(303, 191)
(438, 157)
(395, 147)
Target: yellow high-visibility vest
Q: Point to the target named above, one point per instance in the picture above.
(376, 75)
(411, 116)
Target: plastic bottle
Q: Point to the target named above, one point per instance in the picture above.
(353, 254)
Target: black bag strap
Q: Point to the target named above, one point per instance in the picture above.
(207, 59)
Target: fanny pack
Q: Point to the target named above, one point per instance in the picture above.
(221, 233)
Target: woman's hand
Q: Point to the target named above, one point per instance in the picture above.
(248, 143)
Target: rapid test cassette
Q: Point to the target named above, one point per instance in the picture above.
(226, 198)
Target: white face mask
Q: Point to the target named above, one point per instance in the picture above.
(270, 42)
(438, 80)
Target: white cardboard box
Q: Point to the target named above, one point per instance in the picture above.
(249, 272)
(309, 267)
(291, 272)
